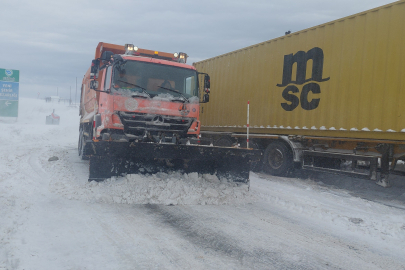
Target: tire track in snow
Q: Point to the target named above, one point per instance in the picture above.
(217, 243)
(131, 227)
(26, 180)
(257, 236)
(329, 212)
(15, 207)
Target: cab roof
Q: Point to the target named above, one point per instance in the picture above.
(144, 55)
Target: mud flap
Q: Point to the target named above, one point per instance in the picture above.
(109, 159)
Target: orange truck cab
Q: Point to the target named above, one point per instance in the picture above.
(140, 114)
(132, 94)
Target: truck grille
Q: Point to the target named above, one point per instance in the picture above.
(137, 123)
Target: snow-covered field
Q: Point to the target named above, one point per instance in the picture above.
(51, 217)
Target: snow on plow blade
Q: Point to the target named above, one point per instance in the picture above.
(116, 158)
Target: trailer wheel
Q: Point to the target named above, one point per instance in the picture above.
(278, 159)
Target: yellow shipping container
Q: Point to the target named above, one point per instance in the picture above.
(345, 78)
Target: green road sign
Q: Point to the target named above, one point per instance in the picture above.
(9, 84)
(9, 75)
(9, 108)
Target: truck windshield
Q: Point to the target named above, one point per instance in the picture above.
(153, 79)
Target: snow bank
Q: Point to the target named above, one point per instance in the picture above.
(169, 189)
(174, 188)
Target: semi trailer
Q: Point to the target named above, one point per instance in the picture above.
(327, 98)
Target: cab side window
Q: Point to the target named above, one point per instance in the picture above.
(190, 86)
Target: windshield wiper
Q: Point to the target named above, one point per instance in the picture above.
(143, 89)
(175, 91)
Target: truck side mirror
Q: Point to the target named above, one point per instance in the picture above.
(106, 56)
(207, 90)
(95, 64)
(207, 83)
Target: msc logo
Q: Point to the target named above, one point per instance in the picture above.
(301, 58)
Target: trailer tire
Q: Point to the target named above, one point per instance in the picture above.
(278, 159)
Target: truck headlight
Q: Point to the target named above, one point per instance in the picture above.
(130, 49)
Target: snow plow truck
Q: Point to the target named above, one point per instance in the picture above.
(139, 113)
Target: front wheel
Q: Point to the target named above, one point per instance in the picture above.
(80, 143)
(278, 159)
(80, 146)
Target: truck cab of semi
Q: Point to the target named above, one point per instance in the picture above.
(133, 94)
(140, 113)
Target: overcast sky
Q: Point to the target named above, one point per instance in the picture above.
(53, 42)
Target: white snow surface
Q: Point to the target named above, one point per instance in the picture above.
(51, 217)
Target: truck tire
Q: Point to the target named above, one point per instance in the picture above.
(80, 145)
(278, 159)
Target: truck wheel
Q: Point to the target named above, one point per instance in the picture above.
(80, 143)
(278, 159)
(80, 146)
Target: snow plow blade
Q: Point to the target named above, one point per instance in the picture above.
(109, 159)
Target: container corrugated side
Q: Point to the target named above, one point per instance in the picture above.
(360, 93)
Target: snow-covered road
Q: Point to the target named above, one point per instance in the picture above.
(52, 218)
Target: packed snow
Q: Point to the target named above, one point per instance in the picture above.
(159, 188)
(53, 218)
